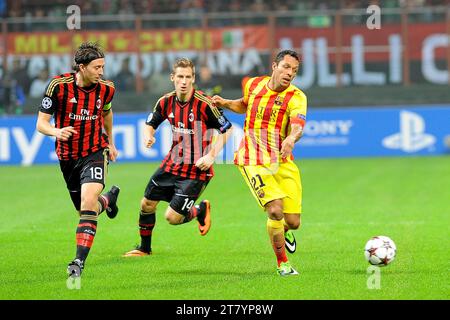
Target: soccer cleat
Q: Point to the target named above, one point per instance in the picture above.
(285, 269)
(75, 268)
(112, 208)
(136, 253)
(289, 241)
(204, 217)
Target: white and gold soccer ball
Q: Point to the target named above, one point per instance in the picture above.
(380, 251)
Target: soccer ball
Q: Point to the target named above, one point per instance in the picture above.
(380, 251)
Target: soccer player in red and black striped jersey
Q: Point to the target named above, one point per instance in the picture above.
(80, 104)
(186, 170)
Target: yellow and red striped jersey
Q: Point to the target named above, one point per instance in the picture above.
(267, 122)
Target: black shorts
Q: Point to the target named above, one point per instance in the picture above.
(92, 168)
(180, 192)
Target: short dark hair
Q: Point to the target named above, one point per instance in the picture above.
(283, 53)
(87, 52)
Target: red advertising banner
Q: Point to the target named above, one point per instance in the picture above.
(145, 41)
(227, 38)
(371, 57)
(377, 39)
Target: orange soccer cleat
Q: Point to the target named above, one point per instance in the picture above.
(204, 218)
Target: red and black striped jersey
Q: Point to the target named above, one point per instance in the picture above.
(193, 125)
(81, 108)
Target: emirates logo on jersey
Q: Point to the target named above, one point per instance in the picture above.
(84, 116)
(98, 104)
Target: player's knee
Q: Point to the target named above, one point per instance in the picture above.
(274, 210)
(172, 217)
(148, 205)
(89, 203)
(293, 223)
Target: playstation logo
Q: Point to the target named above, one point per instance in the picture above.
(412, 136)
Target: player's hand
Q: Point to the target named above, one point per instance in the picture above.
(287, 146)
(149, 141)
(113, 153)
(65, 133)
(218, 101)
(205, 162)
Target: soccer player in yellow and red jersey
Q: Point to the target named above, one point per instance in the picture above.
(275, 116)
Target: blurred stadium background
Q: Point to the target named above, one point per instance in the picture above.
(404, 62)
(347, 61)
(371, 92)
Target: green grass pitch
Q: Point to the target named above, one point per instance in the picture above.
(346, 201)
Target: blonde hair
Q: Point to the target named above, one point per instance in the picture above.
(183, 63)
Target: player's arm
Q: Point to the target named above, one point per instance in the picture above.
(215, 120)
(219, 143)
(288, 143)
(44, 126)
(47, 108)
(205, 162)
(297, 111)
(237, 105)
(108, 125)
(153, 121)
(149, 136)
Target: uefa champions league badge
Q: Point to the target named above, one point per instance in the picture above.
(46, 103)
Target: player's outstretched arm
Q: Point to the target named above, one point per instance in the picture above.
(44, 126)
(237, 106)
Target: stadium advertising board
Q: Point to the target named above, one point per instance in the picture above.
(368, 57)
(356, 132)
(21, 43)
